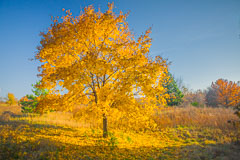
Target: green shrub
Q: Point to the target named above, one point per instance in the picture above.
(29, 102)
(195, 104)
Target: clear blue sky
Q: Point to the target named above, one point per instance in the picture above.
(200, 37)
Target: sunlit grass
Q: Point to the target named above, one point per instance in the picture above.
(6, 107)
(59, 136)
(193, 116)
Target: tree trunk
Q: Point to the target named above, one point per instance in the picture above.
(105, 132)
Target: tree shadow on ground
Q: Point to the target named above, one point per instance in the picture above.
(16, 123)
(48, 149)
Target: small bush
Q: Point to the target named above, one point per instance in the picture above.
(195, 104)
(29, 102)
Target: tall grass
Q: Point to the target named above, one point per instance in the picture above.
(193, 116)
(14, 108)
(168, 117)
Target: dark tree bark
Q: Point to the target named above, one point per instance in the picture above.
(105, 131)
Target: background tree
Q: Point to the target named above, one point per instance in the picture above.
(194, 98)
(237, 110)
(96, 60)
(181, 86)
(175, 95)
(211, 97)
(11, 100)
(227, 92)
(29, 102)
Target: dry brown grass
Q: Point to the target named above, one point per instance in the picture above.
(56, 118)
(61, 135)
(7, 111)
(168, 117)
(193, 116)
(13, 108)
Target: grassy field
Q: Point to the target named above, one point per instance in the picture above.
(183, 133)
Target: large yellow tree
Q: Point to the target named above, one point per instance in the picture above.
(97, 61)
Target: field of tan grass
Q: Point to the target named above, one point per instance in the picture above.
(14, 109)
(183, 133)
(193, 116)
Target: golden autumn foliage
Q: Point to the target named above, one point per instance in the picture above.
(11, 99)
(94, 59)
(227, 92)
